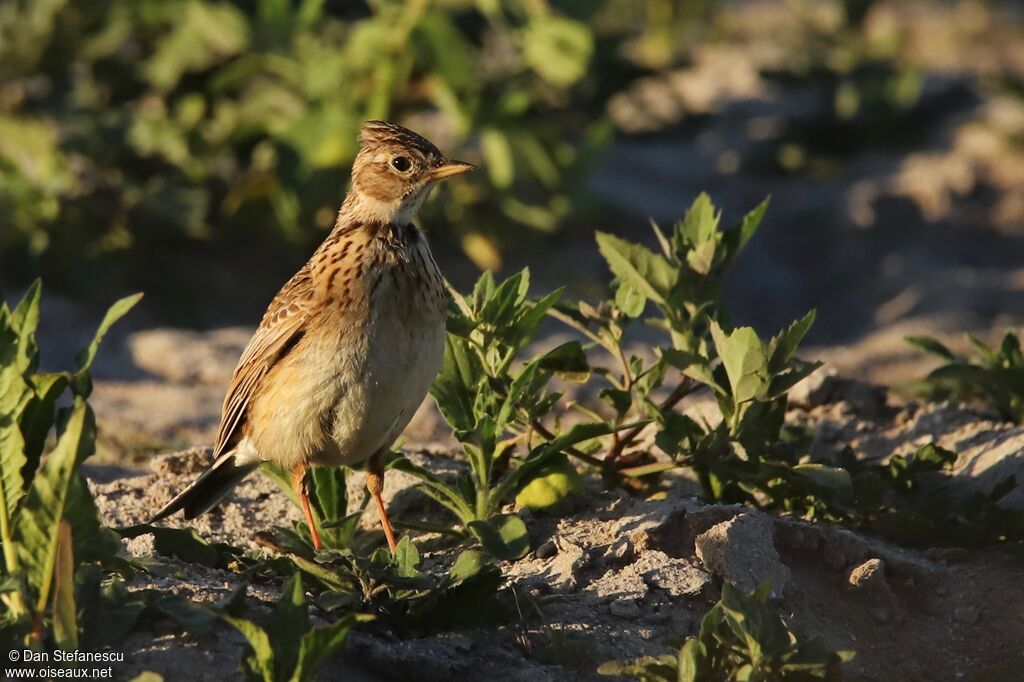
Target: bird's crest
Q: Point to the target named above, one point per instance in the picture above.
(381, 132)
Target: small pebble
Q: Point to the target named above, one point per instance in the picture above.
(625, 608)
(546, 550)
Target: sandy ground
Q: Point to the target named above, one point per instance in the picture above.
(620, 574)
(892, 240)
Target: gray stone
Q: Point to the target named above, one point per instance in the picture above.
(620, 552)
(563, 572)
(677, 577)
(624, 608)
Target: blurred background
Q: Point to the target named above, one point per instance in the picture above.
(197, 150)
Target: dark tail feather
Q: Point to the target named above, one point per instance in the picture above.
(209, 489)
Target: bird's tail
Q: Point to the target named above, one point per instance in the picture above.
(210, 488)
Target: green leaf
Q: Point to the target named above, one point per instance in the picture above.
(700, 224)
(261, 662)
(454, 389)
(320, 643)
(525, 325)
(65, 615)
(468, 564)
(630, 300)
(84, 360)
(568, 360)
(14, 396)
(502, 304)
(197, 619)
(435, 487)
(644, 270)
(580, 433)
(692, 664)
(745, 361)
(287, 623)
(503, 536)
(748, 226)
(552, 486)
(782, 347)
(407, 559)
(202, 35)
(25, 321)
(834, 478)
(643, 669)
(933, 346)
(38, 416)
(694, 366)
(36, 534)
(498, 154)
(558, 49)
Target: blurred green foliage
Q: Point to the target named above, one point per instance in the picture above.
(131, 126)
(866, 92)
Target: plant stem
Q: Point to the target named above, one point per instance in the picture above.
(579, 454)
(684, 388)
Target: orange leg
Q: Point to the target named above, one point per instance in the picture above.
(300, 488)
(375, 484)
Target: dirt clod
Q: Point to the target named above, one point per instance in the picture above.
(742, 552)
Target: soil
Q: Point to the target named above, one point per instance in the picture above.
(621, 574)
(922, 236)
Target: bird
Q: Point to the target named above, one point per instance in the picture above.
(347, 349)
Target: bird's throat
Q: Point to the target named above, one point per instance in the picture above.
(364, 208)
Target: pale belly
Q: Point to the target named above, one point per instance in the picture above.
(403, 353)
(354, 382)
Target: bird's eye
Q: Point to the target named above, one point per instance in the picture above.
(402, 164)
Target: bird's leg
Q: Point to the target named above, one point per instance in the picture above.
(302, 490)
(375, 484)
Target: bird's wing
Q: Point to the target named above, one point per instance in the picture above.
(281, 328)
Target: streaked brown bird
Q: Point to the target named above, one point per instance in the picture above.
(349, 346)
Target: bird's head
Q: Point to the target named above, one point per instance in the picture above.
(395, 170)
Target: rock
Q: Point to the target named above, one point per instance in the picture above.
(624, 608)
(619, 553)
(742, 552)
(677, 577)
(546, 550)
(563, 572)
(869, 577)
(867, 580)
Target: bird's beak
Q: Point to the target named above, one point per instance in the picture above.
(449, 169)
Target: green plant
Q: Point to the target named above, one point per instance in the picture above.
(288, 649)
(48, 523)
(909, 501)
(136, 126)
(328, 496)
(677, 290)
(867, 87)
(396, 592)
(486, 398)
(741, 639)
(993, 376)
(683, 285)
